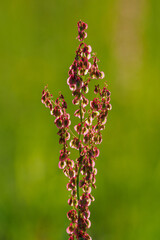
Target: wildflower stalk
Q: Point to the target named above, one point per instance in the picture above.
(89, 133)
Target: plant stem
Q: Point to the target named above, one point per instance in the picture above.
(79, 155)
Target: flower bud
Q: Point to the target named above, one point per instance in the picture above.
(59, 122)
(62, 164)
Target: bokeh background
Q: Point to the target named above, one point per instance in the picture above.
(37, 46)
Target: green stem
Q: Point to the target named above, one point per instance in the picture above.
(79, 155)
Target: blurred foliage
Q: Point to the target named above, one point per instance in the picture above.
(37, 45)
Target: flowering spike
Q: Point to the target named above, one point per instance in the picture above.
(88, 133)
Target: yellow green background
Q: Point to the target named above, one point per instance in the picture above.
(37, 46)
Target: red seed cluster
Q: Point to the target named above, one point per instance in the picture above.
(81, 33)
(88, 133)
(62, 122)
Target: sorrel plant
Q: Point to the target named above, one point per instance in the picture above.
(88, 133)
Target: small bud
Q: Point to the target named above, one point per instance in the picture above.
(59, 122)
(62, 164)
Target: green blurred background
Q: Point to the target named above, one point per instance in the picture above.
(37, 46)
